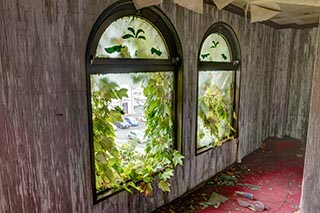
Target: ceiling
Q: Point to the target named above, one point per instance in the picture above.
(289, 15)
(275, 13)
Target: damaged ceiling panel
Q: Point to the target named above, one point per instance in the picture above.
(296, 12)
(281, 12)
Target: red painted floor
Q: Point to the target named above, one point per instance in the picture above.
(273, 174)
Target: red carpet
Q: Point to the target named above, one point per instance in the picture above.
(272, 174)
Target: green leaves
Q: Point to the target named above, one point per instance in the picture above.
(115, 48)
(119, 110)
(167, 174)
(131, 30)
(159, 92)
(203, 108)
(100, 156)
(164, 186)
(205, 55)
(122, 166)
(155, 51)
(126, 36)
(115, 115)
(122, 92)
(214, 110)
(134, 34)
(139, 31)
(140, 37)
(107, 156)
(177, 158)
(224, 56)
(214, 44)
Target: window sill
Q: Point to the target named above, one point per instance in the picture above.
(206, 149)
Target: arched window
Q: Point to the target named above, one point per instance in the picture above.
(133, 66)
(218, 87)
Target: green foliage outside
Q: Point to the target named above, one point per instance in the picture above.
(123, 167)
(214, 107)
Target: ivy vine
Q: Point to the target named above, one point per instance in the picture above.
(123, 167)
(214, 107)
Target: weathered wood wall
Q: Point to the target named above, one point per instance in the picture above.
(44, 155)
(291, 80)
(311, 181)
(257, 64)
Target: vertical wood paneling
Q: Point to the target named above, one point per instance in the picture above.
(280, 78)
(45, 152)
(311, 182)
(44, 155)
(302, 66)
(294, 52)
(257, 63)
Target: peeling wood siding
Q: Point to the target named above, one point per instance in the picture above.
(44, 155)
(311, 182)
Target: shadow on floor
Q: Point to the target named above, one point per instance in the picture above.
(272, 174)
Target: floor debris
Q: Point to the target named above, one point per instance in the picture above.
(273, 177)
(256, 206)
(250, 186)
(214, 200)
(244, 194)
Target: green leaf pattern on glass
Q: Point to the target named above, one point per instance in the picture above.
(215, 48)
(132, 37)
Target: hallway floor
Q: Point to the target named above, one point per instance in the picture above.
(272, 174)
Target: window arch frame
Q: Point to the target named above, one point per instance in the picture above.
(226, 31)
(99, 66)
(153, 15)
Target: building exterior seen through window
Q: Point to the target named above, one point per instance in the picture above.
(217, 88)
(132, 84)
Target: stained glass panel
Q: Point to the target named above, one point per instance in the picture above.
(215, 48)
(132, 37)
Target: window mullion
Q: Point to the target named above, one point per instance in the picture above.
(101, 66)
(208, 66)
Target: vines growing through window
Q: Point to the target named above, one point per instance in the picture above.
(122, 167)
(215, 111)
(217, 88)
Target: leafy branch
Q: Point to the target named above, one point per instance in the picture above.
(104, 117)
(160, 150)
(214, 110)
